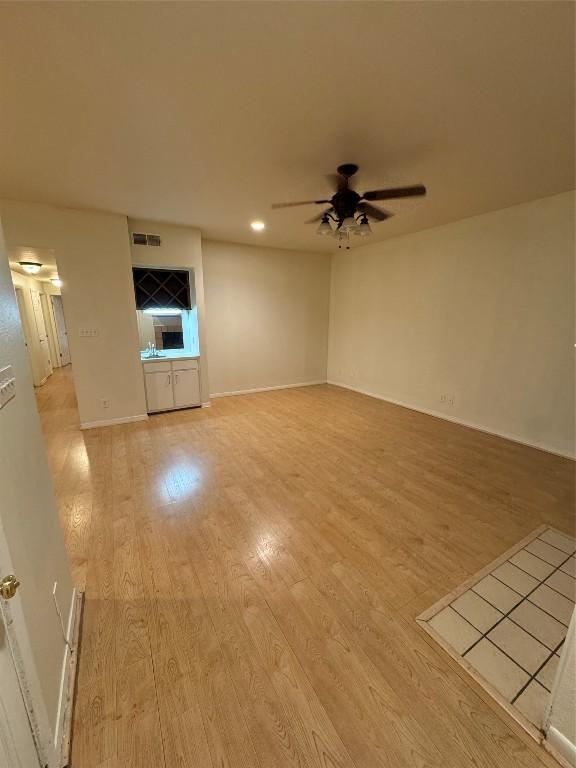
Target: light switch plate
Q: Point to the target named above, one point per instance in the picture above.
(88, 333)
(7, 385)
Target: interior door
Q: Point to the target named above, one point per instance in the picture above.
(17, 748)
(42, 334)
(159, 394)
(186, 388)
(23, 318)
(58, 310)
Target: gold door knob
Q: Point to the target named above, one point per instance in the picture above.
(8, 587)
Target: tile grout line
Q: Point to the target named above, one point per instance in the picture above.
(538, 538)
(524, 598)
(542, 581)
(505, 616)
(510, 618)
(533, 677)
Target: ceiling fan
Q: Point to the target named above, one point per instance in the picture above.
(350, 211)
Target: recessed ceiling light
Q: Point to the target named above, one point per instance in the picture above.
(31, 267)
(56, 281)
(258, 226)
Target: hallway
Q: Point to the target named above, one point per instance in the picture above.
(252, 572)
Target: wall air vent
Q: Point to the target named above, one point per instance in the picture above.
(140, 238)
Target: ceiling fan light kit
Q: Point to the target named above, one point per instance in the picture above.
(349, 211)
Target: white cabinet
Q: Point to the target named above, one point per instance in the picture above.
(171, 384)
(186, 388)
(159, 394)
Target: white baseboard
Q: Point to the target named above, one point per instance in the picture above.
(64, 699)
(453, 419)
(267, 389)
(559, 746)
(112, 422)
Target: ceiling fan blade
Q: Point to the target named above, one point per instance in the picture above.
(319, 217)
(302, 202)
(395, 192)
(373, 212)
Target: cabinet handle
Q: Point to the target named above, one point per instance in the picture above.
(175, 378)
(169, 379)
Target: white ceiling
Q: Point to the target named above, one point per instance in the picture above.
(206, 113)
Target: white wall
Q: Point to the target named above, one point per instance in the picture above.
(482, 309)
(561, 726)
(267, 316)
(93, 254)
(181, 247)
(28, 512)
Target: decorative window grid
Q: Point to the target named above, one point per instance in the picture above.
(161, 288)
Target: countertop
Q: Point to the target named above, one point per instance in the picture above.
(171, 354)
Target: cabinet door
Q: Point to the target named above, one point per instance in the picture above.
(159, 395)
(186, 388)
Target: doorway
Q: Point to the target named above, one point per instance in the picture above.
(41, 311)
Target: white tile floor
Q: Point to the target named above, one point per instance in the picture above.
(510, 623)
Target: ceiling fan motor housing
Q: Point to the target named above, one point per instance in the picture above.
(345, 203)
(347, 169)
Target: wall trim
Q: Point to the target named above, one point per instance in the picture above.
(267, 389)
(112, 422)
(455, 420)
(560, 747)
(63, 735)
(59, 729)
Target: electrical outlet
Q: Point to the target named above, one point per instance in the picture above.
(105, 403)
(443, 398)
(451, 399)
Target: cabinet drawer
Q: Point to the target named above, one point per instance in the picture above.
(157, 367)
(185, 365)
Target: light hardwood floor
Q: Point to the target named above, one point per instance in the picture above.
(253, 570)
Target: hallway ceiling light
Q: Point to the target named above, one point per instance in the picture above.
(258, 226)
(56, 282)
(31, 267)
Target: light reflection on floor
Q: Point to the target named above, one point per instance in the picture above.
(179, 481)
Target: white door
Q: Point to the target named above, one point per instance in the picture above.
(23, 318)
(58, 310)
(42, 335)
(17, 749)
(186, 388)
(159, 395)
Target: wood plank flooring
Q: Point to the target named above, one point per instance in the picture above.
(253, 570)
